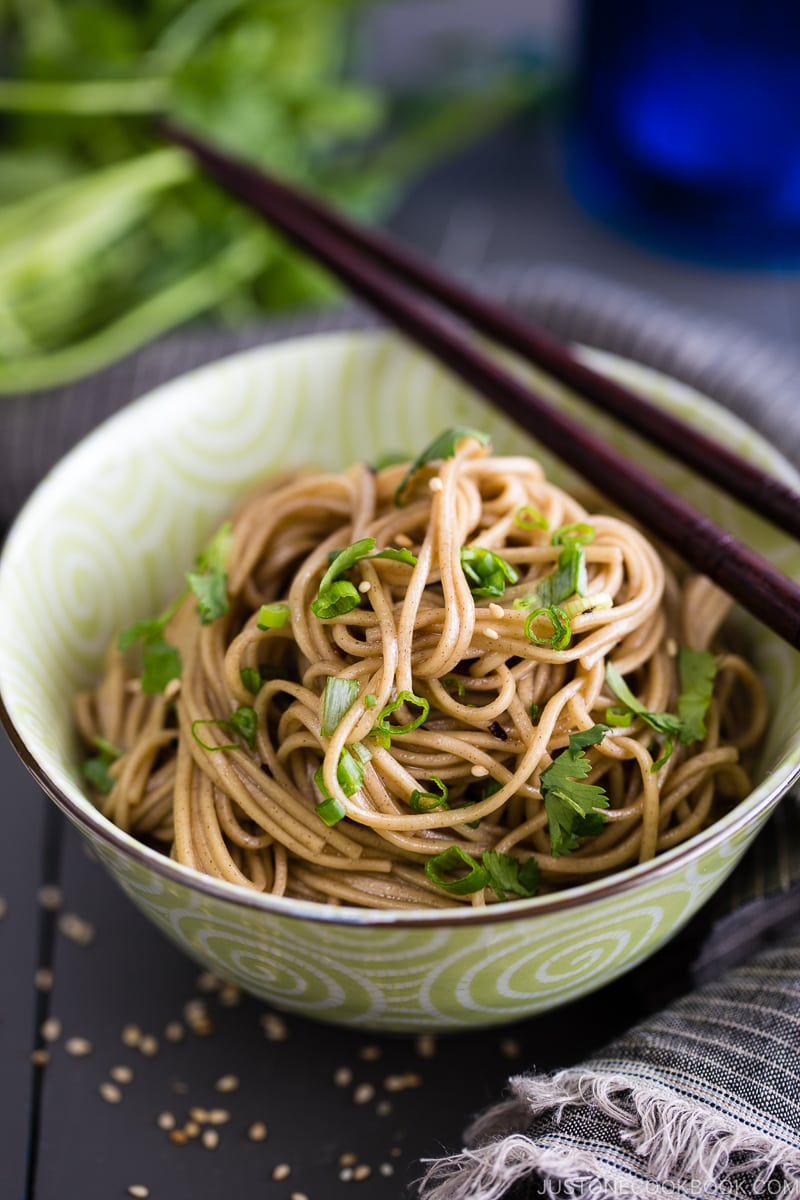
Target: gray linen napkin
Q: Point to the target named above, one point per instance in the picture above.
(702, 1100)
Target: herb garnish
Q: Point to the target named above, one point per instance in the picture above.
(444, 446)
(350, 776)
(272, 616)
(338, 596)
(527, 517)
(568, 578)
(572, 806)
(242, 720)
(96, 769)
(486, 572)
(501, 872)
(665, 723)
(338, 697)
(161, 661)
(697, 671)
(384, 731)
(429, 801)
(209, 581)
(561, 625)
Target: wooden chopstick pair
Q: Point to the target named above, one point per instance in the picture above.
(406, 290)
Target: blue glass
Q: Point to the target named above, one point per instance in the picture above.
(686, 125)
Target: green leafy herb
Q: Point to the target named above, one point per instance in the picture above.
(507, 874)
(161, 661)
(486, 572)
(96, 769)
(384, 731)
(429, 801)
(568, 578)
(209, 581)
(242, 720)
(272, 616)
(572, 806)
(560, 638)
(338, 697)
(444, 446)
(527, 517)
(666, 724)
(337, 596)
(697, 671)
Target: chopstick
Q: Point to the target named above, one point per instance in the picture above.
(383, 275)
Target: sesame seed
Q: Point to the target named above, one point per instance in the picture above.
(346, 1174)
(402, 539)
(172, 689)
(491, 633)
(436, 484)
(121, 1074)
(275, 1028)
(110, 1093)
(178, 1137)
(139, 1191)
(386, 1169)
(342, 1077)
(76, 929)
(51, 1029)
(218, 1116)
(210, 1139)
(148, 1046)
(479, 771)
(227, 1083)
(400, 1083)
(370, 1053)
(425, 1045)
(363, 1093)
(199, 1114)
(229, 996)
(384, 1108)
(298, 1196)
(131, 1035)
(174, 1032)
(195, 1009)
(282, 1171)
(78, 1047)
(496, 610)
(40, 1058)
(165, 1121)
(395, 1151)
(510, 1048)
(202, 1027)
(50, 897)
(207, 981)
(348, 1159)
(191, 1129)
(362, 1172)
(43, 979)
(257, 1131)
(364, 586)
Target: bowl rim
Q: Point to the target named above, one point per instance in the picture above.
(94, 825)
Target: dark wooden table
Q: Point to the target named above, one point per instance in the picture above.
(323, 1093)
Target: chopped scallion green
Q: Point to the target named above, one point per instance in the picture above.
(444, 446)
(560, 638)
(272, 616)
(486, 572)
(338, 697)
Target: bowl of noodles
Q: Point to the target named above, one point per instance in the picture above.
(369, 706)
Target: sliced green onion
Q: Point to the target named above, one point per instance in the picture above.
(361, 752)
(455, 859)
(429, 801)
(536, 712)
(403, 698)
(340, 598)
(579, 534)
(370, 700)
(486, 572)
(444, 446)
(207, 745)
(562, 629)
(568, 579)
(350, 772)
(576, 606)
(272, 616)
(528, 517)
(242, 721)
(251, 679)
(452, 681)
(330, 809)
(618, 715)
(338, 697)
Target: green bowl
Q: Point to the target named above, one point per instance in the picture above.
(98, 546)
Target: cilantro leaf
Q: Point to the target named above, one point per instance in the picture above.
(96, 769)
(337, 596)
(663, 722)
(508, 874)
(697, 670)
(210, 581)
(572, 806)
(161, 663)
(444, 446)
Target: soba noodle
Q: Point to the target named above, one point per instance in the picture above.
(458, 679)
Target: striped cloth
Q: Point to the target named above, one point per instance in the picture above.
(702, 1100)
